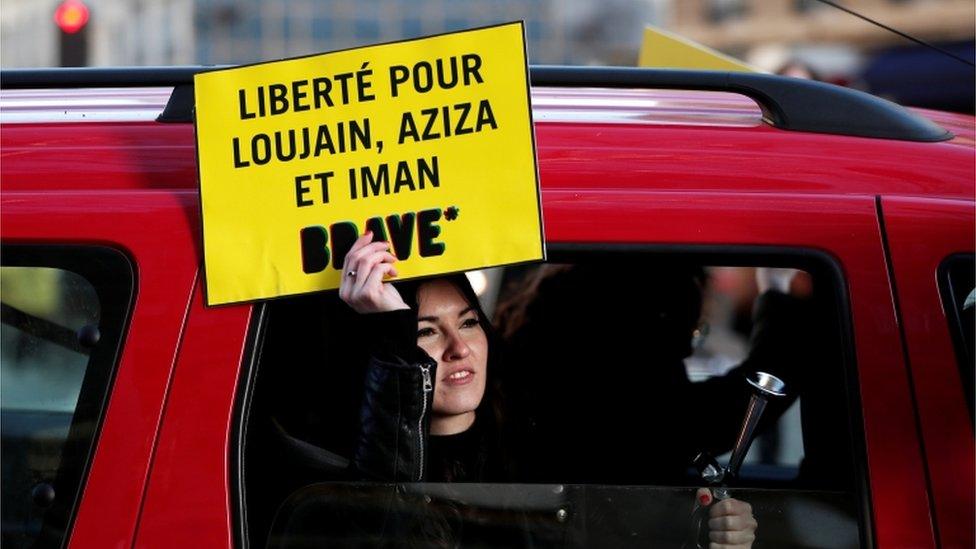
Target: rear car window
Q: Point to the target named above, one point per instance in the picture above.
(613, 387)
(63, 316)
(957, 280)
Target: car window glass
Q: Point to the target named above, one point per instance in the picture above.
(956, 277)
(57, 348)
(43, 365)
(341, 514)
(721, 342)
(614, 389)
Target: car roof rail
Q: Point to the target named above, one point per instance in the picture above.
(786, 103)
(94, 77)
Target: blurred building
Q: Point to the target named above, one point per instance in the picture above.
(28, 36)
(737, 26)
(842, 48)
(767, 33)
(557, 31)
(174, 32)
(120, 32)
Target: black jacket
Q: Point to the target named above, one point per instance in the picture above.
(397, 401)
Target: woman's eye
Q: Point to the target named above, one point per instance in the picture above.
(425, 332)
(469, 323)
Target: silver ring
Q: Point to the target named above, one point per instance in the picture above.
(351, 273)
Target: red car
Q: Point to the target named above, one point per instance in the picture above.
(135, 415)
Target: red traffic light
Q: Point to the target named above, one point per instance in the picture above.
(71, 16)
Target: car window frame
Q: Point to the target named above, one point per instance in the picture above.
(113, 276)
(810, 260)
(250, 367)
(948, 292)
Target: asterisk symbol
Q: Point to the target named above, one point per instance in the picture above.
(452, 213)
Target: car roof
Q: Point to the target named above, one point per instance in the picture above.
(587, 138)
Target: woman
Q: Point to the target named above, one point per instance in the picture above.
(430, 343)
(429, 395)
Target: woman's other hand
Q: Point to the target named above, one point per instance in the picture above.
(363, 272)
(730, 522)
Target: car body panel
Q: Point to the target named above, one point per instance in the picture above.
(700, 136)
(616, 167)
(922, 233)
(157, 231)
(896, 472)
(149, 155)
(188, 500)
(187, 460)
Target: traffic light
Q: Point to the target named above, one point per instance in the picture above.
(71, 17)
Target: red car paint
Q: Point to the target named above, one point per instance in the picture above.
(681, 168)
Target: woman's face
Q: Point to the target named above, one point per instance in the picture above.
(448, 329)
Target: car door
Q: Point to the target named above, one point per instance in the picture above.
(845, 228)
(885, 503)
(931, 254)
(192, 484)
(149, 237)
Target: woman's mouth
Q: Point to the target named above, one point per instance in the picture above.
(461, 377)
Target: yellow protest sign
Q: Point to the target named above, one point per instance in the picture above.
(664, 50)
(427, 143)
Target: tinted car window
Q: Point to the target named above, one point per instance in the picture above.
(956, 278)
(614, 388)
(63, 311)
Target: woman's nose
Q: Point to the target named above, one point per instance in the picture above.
(456, 347)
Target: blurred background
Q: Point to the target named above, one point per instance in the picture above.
(770, 34)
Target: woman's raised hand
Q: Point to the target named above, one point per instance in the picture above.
(730, 522)
(366, 266)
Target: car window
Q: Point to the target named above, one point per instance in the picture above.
(956, 279)
(609, 390)
(62, 315)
